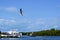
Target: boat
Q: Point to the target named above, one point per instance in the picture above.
(11, 34)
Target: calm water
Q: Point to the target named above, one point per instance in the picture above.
(34, 38)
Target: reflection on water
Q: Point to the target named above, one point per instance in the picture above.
(8, 38)
(34, 38)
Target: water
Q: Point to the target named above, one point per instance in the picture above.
(34, 38)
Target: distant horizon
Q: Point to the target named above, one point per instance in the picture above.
(28, 31)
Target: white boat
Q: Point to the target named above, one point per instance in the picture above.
(12, 34)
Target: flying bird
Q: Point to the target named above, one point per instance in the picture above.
(21, 11)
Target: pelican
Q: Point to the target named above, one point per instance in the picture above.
(21, 11)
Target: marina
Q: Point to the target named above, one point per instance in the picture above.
(11, 34)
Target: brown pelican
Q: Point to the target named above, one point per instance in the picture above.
(21, 11)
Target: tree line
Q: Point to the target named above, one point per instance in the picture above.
(51, 32)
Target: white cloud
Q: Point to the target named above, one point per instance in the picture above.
(43, 24)
(9, 9)
(37, 24)
(5, 21)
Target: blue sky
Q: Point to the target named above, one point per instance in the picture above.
(37, 15)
